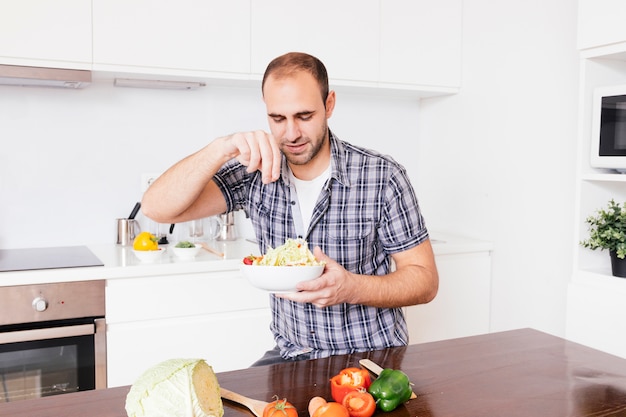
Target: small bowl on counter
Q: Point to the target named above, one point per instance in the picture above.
(148, 256)
(186, 253)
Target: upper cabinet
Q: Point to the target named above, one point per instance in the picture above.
(165, 36)
(399, 45)
(46, 33)
(420, 43)
(345, 35)
(601, 23)
(411, 45)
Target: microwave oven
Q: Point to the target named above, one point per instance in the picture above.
(608, 128)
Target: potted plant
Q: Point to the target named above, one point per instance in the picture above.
(607, 230)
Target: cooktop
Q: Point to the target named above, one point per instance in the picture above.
(47, 258)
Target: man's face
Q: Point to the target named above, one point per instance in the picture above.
(297, 117)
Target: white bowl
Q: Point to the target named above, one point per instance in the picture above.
(186, 253)
(148, 255)
(280, 278)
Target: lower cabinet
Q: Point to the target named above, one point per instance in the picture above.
(215, 316)
(226, 341)
(218, 316)
(595, 307)
(462, 306)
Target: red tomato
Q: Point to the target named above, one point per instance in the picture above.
(331, 409)
(349, 380)
(359, 404)
(249, 260)
(280, 408)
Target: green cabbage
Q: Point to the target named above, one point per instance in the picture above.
(176, 388)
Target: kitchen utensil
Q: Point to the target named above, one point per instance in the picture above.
(374, 368)
(256, 406)
(204, 229)
(227, 227)
(135, 211)
(127, 230)
(208, 249)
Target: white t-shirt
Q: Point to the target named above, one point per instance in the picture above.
(308, 192)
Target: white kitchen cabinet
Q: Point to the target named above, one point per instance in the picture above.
(420, 42)
(595, 297)
(216, 316)
(343, 34)
(462, 305)
(46, 33)
(395, 44)
(595, 309)
(226, 341)
(601, 23)
(204, 36)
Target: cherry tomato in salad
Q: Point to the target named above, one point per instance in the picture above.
(359, 403)
(249, 260)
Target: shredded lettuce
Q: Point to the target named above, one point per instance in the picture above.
(294, 252)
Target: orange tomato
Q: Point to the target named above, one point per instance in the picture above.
(331, 409)
(280, 408)
(359, 404)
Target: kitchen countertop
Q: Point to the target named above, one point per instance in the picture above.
(120, 261)
(513, 373)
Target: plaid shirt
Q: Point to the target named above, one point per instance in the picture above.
(366, 211)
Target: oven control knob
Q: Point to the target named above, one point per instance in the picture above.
(40, 304)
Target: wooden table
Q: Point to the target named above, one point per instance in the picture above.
(514, 373)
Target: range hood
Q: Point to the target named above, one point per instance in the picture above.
(44, 77)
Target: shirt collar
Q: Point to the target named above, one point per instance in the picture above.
(338, 168)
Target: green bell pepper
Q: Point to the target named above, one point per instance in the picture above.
(390, 389)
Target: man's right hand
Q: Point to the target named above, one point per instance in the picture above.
(256, 150)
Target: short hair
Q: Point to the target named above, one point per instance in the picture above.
(291, 62)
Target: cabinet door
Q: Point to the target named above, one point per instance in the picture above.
(601, 22)
(343, 34)
(46, 33)
(595, 306)
(227, 341)
(421, 42)
(182, 295)
(462, 306)
(196, 35)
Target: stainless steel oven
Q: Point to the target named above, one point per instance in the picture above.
(52, 339)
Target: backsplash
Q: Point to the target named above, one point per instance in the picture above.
(72, 160)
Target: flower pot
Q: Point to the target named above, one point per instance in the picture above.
(618, 266)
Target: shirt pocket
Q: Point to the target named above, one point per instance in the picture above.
(351, 244)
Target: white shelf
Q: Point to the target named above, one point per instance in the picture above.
(600, 278)
(614, 177)
(595, 296)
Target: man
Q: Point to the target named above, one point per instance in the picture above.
(355, 207)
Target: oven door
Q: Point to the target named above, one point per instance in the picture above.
(52, 358)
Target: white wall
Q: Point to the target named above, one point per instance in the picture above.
(505, 152)
(71, 160)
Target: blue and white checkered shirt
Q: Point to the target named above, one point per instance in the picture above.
(366, 211)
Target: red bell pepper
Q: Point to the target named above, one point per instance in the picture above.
(348, 380)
